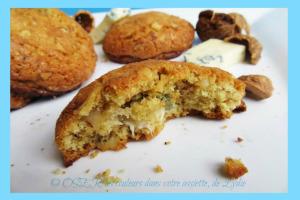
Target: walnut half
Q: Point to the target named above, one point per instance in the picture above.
(257, 86)
(253, 47)
(220, 25)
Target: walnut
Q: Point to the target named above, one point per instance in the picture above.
(241, 22)
(85, 19)
(220, 25)
(253, 47)
(257, 86)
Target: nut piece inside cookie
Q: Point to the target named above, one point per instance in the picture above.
(253, 46)
(257, 86)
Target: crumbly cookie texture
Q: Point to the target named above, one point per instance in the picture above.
(50, 53)
(134, 101)
(234, 168)
(150, 35)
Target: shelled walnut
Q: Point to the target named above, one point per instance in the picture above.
(220, 25)
(253, 46)
(257, 86)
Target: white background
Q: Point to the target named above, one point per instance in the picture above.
(198, 146)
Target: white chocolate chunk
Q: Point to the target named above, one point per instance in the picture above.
(113, 16)
(216, 53)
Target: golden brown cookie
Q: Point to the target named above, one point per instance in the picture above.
(150, 35)
(134, 102)
(18, 101)
(50, 54)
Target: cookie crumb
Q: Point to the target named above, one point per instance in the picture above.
(167, 142)
(94, 154)
(224, 127)
(239, 140)
(58, 172)
(234, 168)
(106, 179)
(158, 169)
(87, 171)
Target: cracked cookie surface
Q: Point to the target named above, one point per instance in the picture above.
(150, 35)
(50, 54)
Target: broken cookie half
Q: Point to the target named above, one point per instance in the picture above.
(134, 101)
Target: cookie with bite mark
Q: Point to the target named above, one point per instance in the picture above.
(134, 102)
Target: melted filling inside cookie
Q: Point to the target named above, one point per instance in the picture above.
(144, 115)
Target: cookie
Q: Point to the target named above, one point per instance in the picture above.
(18, 101)
(134, 101)
(50, 54)
(150, 35)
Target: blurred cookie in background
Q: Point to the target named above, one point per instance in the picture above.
(50, 54)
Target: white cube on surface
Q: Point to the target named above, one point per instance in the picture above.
(216, 53)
